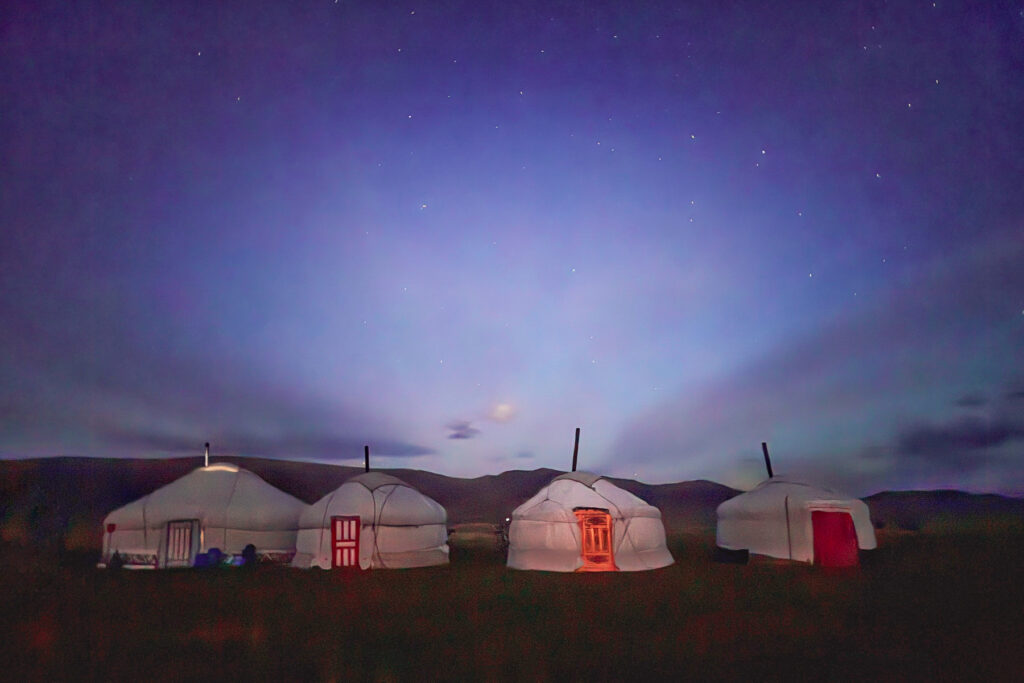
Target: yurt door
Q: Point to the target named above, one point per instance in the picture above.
(596, 536)
(345, 542)
(181, 537)
(835, 539)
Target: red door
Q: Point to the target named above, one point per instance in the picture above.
(345, 542)
(835, 539)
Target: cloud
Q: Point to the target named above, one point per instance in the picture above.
(962, 435)
(971, 401)
(461, 429)
(132, 394)
(297, 445)
(854, 382)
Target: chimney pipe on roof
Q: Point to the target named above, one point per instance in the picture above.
(206, 455)
(575, 449)
(767, 460)
(366, 458)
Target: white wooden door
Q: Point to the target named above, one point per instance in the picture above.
(180, 551)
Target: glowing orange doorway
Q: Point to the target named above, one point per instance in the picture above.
(596, 534)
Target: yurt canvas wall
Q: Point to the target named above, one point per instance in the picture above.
(373, 521)
(789, 519)
(221, 506)
(582, 522)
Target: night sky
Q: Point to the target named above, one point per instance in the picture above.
(456, 231)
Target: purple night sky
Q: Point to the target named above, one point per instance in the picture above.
(458, 230)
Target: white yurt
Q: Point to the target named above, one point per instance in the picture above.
(583, 522)
(219, 506)
(789, 519)
(372, 521)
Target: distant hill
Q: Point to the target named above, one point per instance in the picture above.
(916, 510)
(59, 503)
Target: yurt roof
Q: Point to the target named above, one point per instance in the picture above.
(362, 495)
(792, 484)
(221, 493)
(566, 492)
(585, 478)
(769, 492)
(374, 480)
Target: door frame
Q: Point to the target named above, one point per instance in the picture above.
(355, 547)
(194, 532)
(583, 514)
(834, 508)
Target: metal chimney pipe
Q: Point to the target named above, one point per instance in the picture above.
(366, 458)
(575, 449)
(206, 455)
(767, 460)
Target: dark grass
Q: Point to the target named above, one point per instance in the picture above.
(926, 605)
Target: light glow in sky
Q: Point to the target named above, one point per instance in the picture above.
(457, 231)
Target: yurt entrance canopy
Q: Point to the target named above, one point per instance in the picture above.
(220, 506)
(789, 519)
(373, 520)
(583, 522)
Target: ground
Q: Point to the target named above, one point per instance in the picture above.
(926, 605)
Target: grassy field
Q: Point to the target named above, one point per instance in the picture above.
(926, 606)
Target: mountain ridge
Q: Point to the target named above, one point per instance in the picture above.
(60, 502)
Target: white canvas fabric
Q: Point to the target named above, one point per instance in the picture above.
(231, 507)
(544, 533)
(774, 519)
(399, 526)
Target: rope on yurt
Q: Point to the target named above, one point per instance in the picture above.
(376, 515)
(145, 528)
(323, 523)
(625, 531)
(234, 485)
(789, 536)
